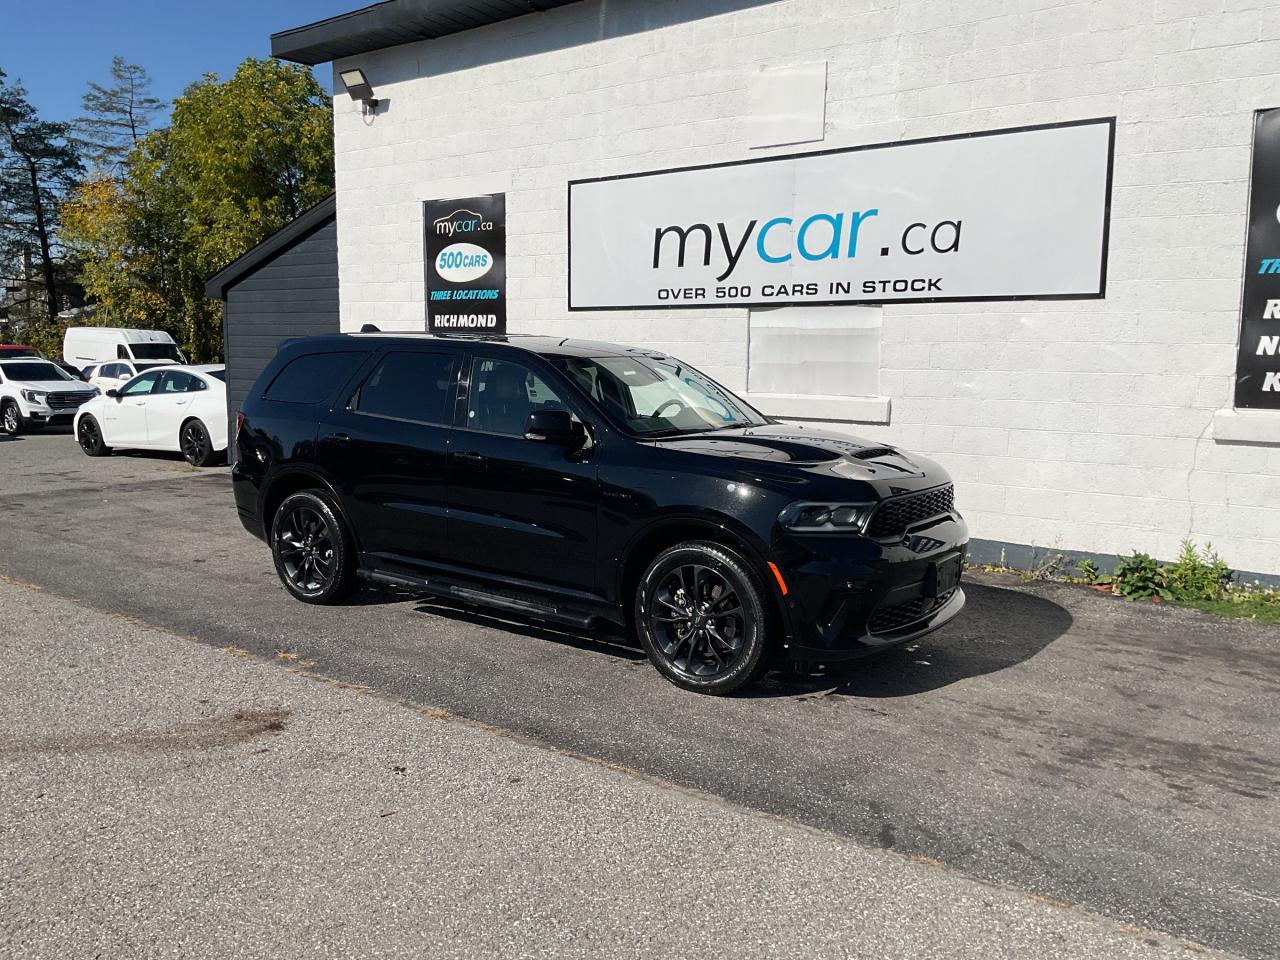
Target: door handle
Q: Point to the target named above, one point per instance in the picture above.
(339, 437)
(471, 455)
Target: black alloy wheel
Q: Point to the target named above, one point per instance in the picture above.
(702, 619)
(196, 446)
(311, 548)
(89, 435)
(11, 419)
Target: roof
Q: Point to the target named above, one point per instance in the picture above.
(394, 22)
(530, 343)
(296, 229)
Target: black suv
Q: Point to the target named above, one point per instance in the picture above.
(582, 482)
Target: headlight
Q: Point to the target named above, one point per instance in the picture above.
(97, 392)
(826, 517)
(34, 396)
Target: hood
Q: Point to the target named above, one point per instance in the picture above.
(53, 386)
(782, 450)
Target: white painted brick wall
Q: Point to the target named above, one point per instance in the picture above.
(1079, 426)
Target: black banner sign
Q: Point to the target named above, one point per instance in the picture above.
(466, 264)
(1258, 365)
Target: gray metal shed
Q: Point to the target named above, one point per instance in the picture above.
(286, 286)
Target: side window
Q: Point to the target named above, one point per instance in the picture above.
(409, 386)
(196, 385)
(175, 381)
(122, 352)
(112, 370)
(139, 385)
(312, 378)
(503, 394)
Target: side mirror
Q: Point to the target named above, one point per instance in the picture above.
(113, 392)
(555, 426)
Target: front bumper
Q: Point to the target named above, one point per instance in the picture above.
(47, 417)
(849, 597)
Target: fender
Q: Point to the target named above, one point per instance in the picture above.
(752, 547)
(294, 471)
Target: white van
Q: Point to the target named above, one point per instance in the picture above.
(85, 345)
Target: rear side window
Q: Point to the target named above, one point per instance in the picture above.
(175, 381)
(312, 378)
(409, 386)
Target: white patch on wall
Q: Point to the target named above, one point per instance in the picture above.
(788, 105)
(815, 351)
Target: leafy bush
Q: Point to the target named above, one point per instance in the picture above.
(1089, 571)
(1139, 577)
(1197, 575)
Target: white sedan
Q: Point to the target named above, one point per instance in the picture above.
(181, 408)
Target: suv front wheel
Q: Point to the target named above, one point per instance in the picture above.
(702, 618)
(312, 549)
(11, 419)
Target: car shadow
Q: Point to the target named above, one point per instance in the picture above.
(999, 628)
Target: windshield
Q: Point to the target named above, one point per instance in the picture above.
(156, 351)
(658, 395)
(33, 370)
(220, 374)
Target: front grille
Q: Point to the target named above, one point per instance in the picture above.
(893, 516)
(898, 615)
(69, 401)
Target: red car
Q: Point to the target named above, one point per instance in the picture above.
(10, 350)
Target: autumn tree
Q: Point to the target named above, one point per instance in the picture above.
(38, 167)
(239, 160)
(116, 117)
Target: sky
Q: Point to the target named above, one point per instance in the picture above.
(55, 47)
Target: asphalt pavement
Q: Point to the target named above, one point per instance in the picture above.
(1053, 742)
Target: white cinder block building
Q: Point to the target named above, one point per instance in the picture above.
(1100, 417)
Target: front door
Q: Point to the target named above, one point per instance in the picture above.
(522, 509)
(385, 450)
(125, 420)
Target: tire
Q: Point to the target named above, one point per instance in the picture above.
(689, 624)
(313, 551)
(11, 419)
(196, 445)
(89, 436)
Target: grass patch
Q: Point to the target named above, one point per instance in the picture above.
(1198, 579)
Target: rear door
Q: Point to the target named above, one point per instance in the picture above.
(385, 448)
(168, 406)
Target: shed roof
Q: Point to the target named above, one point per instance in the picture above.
(300, 226)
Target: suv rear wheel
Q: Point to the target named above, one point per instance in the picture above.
(702, 619)
(312, 549)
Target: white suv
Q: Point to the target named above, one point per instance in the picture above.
(36, 393)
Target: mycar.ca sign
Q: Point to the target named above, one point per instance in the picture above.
(1000, 215)
(1258, 363)
(466, 260)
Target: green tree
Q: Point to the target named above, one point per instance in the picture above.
(116, 117)
(240, 159)
(38, 167)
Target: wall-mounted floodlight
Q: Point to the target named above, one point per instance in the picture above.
(359, 89)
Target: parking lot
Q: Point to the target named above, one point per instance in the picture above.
(1121, 758)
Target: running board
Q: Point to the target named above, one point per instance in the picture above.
(523, 605)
